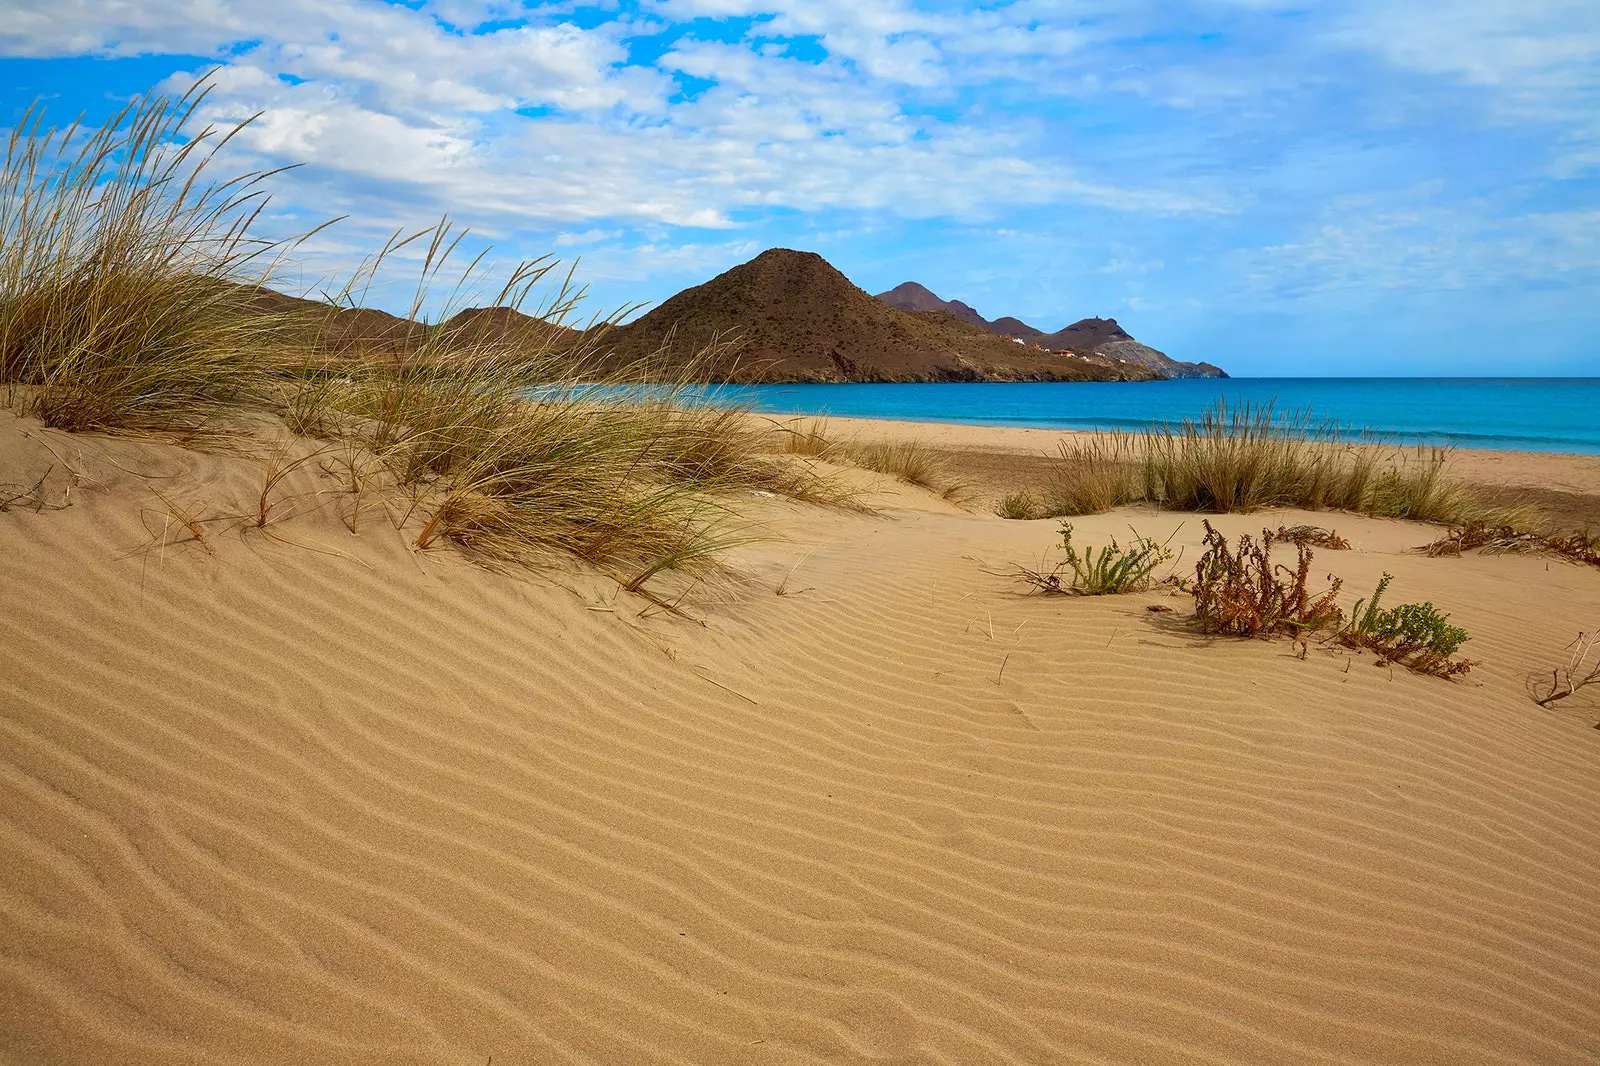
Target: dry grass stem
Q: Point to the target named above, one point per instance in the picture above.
(1581, 670)
(1580, 547)
(1245, 457)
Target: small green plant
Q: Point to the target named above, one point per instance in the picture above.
(1240, 591)
(1105, 571)
(1414, 635)
(1018, 505)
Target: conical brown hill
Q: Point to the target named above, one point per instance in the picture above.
(912, 297)
(790, 316)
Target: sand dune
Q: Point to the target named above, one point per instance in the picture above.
(311, 797)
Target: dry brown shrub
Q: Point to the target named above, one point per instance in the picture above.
(1240, 591)
(1579, 546)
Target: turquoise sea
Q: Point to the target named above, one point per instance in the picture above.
(1521, 414)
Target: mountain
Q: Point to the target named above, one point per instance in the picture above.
(916, 299)
(310, 327)
(1090, 336)
(1104, 336)
(793, 317)
(315, 329)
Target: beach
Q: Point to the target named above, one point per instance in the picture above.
(291, 793)
(995, 460)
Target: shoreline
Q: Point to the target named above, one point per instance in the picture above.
(1544, 415)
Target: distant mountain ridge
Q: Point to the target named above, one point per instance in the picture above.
(784, 316)
(794, 317)
(1089, 336)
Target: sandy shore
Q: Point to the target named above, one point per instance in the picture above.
(304, 796)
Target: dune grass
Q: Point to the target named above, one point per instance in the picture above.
(126, 272)
(1244, 457)
(1021, 505)
(130, 283)
(511, 447)
(911, 461)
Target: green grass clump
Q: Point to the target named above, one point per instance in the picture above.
(1244, 457)
(1020, 505)
(1109, 570)
(1415, 635)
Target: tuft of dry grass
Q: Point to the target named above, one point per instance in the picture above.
(1096, 474)
(510, 450)
(126, 272)
(1244, 457)
(914, 462)
(1021, 505)
(810, 439)
(911, 461)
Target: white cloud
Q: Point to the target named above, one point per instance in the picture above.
(854, 114)
(1534, 60)
(1424, 246)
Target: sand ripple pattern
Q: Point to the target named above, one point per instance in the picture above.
(275, 806)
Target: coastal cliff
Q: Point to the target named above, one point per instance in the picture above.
(1090, 336)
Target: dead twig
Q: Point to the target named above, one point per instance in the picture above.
(1566, 680)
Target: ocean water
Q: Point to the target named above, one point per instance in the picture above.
(1521, 414)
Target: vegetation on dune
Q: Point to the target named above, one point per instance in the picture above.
(914, 462)
(1240, 591)
(1415, 635)
(131, 300)
(1579, 546)
(1314, 536)
(1581, 670)
(1021, 505)
(126, 273)
(1112, 569)
(509, 447)
(1246, 457)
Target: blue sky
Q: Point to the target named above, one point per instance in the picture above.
(1371, 186)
